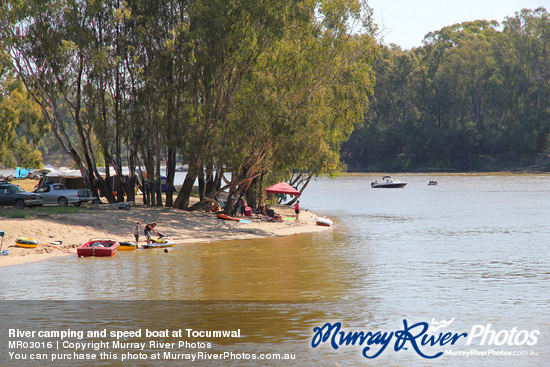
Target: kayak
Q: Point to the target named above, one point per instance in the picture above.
(228, 217)
(323, 221)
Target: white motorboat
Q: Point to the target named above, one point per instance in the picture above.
(388, 183)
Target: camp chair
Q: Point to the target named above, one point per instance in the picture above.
(222, 204)
(2, 244)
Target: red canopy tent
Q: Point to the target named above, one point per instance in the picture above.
(282, 188)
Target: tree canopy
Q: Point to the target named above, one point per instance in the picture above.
(473, 89)
(257, 89)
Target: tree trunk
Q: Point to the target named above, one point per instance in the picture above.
(170, 175)
(201, 184)
(209, 186)
(260, 190)
(182, 201)
(158, 181)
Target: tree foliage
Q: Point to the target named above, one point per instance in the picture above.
(21, 123)
(258, 89)
(473, 89)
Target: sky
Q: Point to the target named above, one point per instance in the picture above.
(406, 22)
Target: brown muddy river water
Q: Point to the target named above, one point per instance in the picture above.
(469, 256)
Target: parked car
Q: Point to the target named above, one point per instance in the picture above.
(58, 194)
(13, 195)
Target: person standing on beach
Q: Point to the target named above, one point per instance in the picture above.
(148, 229)
(136, 231)
(241, 206)
(297, 211)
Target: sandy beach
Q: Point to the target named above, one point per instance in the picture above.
(105, 221)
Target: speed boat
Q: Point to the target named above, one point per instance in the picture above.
(388, 183)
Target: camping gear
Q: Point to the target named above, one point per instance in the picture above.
(221, 203)
(248, 211)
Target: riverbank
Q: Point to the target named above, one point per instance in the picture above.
(104, 221)
(534, 163)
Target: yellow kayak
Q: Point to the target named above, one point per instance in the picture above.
(26, 242)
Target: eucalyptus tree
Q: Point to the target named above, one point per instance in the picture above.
(50, 44)
(474, 89)
(224, 40)
(523, 56)
(288, 82)
(21, 124)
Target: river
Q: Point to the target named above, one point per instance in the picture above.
(473, 251)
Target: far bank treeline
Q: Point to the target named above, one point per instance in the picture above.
(474, 92)
(266, 90)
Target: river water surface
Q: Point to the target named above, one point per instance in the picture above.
(474, 249)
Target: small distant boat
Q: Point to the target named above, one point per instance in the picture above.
(159, 243)
(387, 183)
(321, 221)
(26, 242)
(127, 246)
(433, 183)
(98, 248)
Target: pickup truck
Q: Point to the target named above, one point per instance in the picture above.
(13, 195)
(58, 194)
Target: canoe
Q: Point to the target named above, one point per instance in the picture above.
(98, 248)
(227, 217)
(323, 221)
(127, 246)
(26, 242)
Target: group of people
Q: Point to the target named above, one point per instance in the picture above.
(240, 207)
(270, 213)
(149, 228)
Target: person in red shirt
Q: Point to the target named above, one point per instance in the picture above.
(297, 210)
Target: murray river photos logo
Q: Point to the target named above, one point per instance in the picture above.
(420, 337)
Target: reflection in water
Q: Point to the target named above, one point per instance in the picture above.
(473, 248)
(303, 267)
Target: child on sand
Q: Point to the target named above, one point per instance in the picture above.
(136, 231)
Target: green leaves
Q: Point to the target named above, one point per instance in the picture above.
(247, 86)
(473, 89)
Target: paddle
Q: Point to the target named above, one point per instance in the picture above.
(53, 245)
